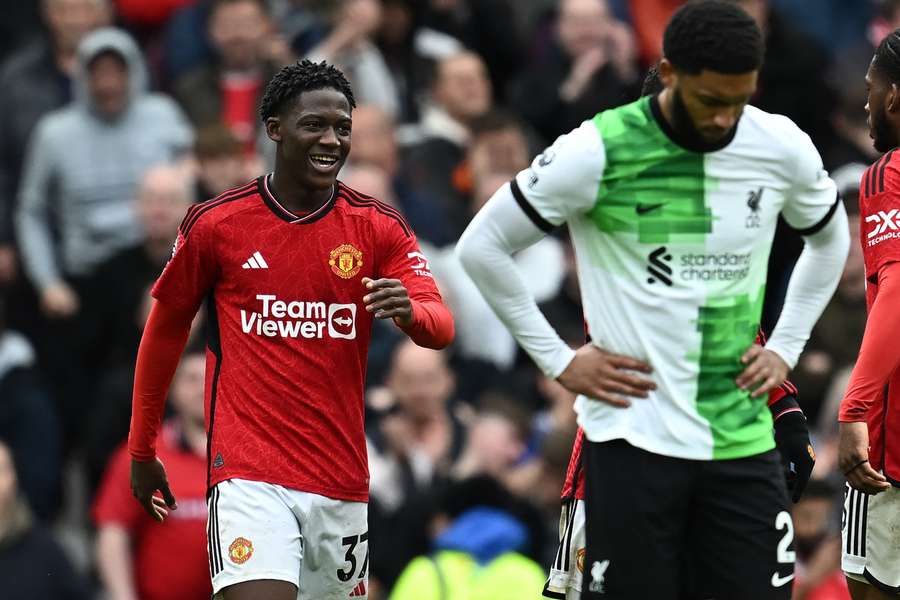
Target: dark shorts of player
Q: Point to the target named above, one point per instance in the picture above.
(673, 529)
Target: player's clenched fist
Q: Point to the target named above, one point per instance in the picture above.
(605, 376)
(388, 299)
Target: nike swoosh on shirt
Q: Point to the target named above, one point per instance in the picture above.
(645, 208)
(778, 580)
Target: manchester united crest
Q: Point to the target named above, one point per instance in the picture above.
(240, 550)
(579, 560)
(345, 261)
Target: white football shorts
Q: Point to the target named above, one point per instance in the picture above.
(567, 570)
(870, 534)
(264, 531)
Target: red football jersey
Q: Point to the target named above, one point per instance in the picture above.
(573, 487)
(289, 333)
(170, 558)
(879, 222)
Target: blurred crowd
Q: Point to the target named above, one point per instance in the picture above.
(116, 115)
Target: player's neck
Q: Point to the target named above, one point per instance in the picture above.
(295, 197)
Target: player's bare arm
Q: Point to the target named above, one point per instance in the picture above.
(606, 377)
(764, 371)
(388, 299)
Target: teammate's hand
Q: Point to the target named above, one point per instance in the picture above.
(604, 376)
(853, 459)
(797, 455)
(388, 299)
(147, 478)
(765, 371)
(58, 300)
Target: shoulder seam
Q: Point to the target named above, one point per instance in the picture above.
(356, 199)
(193, 216)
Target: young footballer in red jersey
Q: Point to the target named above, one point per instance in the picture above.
(294, 267)
(869, 451)
(797, 455)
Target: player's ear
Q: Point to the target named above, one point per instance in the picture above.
(667, 74)
(273, 129)
(892, 100)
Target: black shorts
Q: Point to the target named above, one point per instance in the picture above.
(674, 529)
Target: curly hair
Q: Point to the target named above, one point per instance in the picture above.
(713, 34)
(887, 57)
(292, 80)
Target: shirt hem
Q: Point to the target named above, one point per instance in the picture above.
(300, 486)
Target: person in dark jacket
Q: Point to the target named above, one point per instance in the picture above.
(32, 564)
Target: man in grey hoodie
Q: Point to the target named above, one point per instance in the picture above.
(83, 166)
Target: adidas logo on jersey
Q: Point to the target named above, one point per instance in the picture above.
(256, 262)
(359, 591)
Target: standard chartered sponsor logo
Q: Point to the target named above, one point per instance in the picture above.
(299, 319)
(724, 266)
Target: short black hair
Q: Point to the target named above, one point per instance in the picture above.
(714, 35)
(887, 57)
(303, 76)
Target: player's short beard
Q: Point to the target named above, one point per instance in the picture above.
(682, 122)
(884, 138)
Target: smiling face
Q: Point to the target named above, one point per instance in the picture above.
(313, 137)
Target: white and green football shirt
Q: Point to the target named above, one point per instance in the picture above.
(672, 249)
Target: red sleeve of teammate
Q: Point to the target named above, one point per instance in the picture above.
(432, 325)
(879, 355)
(114, 503)
(165, 336)
(879, 219)
(184, 282)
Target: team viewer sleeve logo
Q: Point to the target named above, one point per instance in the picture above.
(345, 261)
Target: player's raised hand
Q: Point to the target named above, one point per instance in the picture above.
(853, 459)
(605, 376)
(146, 479)
(764, 372)
(388, 299)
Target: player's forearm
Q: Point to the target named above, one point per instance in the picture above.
(485, 250)
(812, 284)
(879, 354)
(432, 325)
(114, 562)
(165, 336)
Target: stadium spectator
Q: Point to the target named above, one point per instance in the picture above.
(496, 438)
(460, 94)
(817, 543)
(222, 163)
(227, 87)
(477, 543)
(421, 438)
(33, 81)
(86, 161)
(32, 564)
(487, 27)
(591, 67)
(137, 557)
(80, 180)
(115, 314)
(28, 421)
(793, 71)
(409, 49)
(349, 46)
